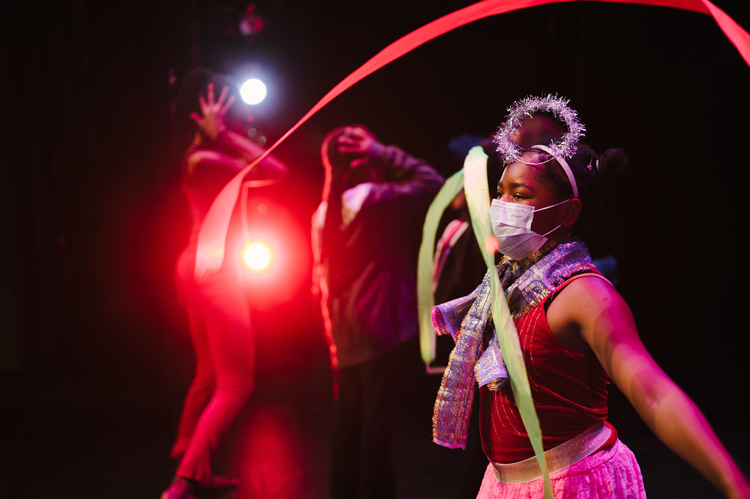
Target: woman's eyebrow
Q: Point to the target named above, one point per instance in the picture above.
(518, 184)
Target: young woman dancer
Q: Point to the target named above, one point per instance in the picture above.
(575, 332)
(219, 319)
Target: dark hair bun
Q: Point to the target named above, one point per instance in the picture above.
(612, 164)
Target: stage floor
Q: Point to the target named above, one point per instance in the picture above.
(60, 442)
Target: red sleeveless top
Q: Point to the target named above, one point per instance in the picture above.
(569, 387)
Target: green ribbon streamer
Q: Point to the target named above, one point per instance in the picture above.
(425, 296)
(477, 197)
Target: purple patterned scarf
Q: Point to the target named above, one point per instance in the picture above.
(526, 283)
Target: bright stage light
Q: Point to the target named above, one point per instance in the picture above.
(257, 256)
(253, 91)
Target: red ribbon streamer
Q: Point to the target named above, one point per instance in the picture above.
(210, 253)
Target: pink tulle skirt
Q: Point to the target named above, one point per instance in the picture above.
(610, 473)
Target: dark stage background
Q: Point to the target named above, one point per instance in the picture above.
(95, 357)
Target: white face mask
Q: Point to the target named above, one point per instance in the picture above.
(511, 224)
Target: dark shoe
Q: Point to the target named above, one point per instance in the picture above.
(179, 489)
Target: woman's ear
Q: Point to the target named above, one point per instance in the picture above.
(570, 212)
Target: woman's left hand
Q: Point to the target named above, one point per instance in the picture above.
(213, 121)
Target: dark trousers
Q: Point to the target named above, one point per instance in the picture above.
(361, 460)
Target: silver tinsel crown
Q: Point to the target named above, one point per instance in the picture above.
(522, 110)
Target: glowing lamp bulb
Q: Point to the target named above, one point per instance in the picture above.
(257, 256)
(253, 91)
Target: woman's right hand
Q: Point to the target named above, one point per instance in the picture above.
(357, 140)
(213, 121)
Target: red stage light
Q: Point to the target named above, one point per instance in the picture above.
(288, 269)
(257, 256)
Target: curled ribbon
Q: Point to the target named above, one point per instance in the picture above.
(425, 296)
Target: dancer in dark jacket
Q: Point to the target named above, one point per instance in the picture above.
(365, 269)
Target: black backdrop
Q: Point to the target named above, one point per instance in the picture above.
(92, 217)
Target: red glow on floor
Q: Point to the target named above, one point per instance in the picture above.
(270, 459)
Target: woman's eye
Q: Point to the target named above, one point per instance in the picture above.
(518, 196)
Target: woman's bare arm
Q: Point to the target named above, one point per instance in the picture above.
(236, 145)
(592, 309)
(211, 165)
